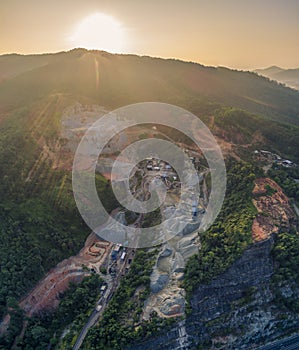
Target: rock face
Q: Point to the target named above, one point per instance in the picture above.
(234, 311)
(167, 297)
(158, 281)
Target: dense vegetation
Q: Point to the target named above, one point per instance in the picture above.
(121, 323)
(285, 177)
(152, 218)
(285, 255)
(226, 239)
(74, 308)
(249, 132)
(39, 222)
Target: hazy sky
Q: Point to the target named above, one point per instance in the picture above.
(233, 33)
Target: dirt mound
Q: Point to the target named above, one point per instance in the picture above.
(274, 210)
(46, 293)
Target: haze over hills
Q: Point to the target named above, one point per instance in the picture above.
(289, 77)
(116, 80)
(35, 82)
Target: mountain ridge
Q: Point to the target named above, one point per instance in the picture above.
(125, 79)
(287, 76)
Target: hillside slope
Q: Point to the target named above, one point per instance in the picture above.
(39, 222)
(116, 80)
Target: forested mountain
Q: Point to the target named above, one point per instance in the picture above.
(116, 80)
(39, 222)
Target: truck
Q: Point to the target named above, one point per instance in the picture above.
(103, 288)
(123, 256)
(99, 307)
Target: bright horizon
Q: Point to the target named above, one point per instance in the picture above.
(235, 34)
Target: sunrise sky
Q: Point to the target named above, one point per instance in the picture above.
(234, 33)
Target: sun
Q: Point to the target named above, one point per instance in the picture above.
(99, 32)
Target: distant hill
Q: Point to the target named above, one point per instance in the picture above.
(269, 71)
(114, 80)
(289, 77)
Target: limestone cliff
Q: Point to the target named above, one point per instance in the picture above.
(234, 311)
(237, 309)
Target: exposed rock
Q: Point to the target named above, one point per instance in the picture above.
(239, 301)
(274, 210)
(169, 269)
(190, 227)
(178, 263)
(234, 311)
(167, 274)
(158, 281)
(45, 295)
(173, 305)
(168, 302)
(188, 246)
(165, 253)
(164, 265)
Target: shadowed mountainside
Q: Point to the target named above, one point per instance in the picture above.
(114, 80)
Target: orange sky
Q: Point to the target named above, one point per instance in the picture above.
(239, 34)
